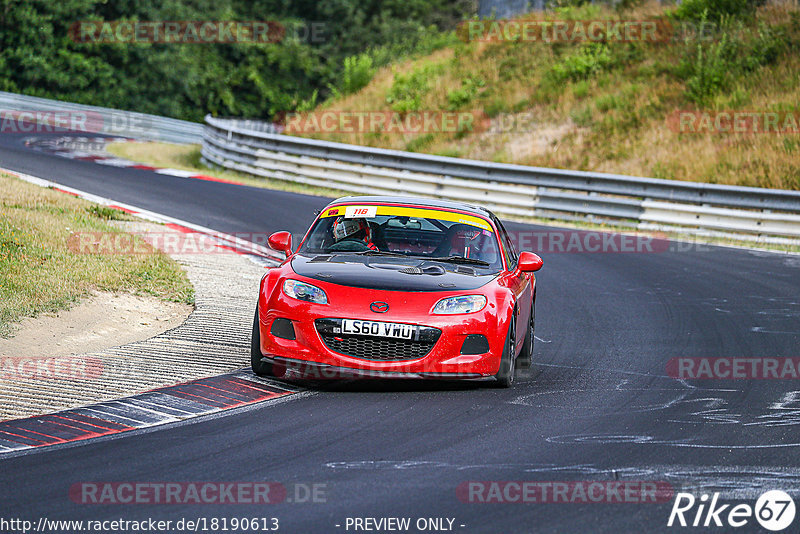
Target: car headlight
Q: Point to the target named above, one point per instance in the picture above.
(306, 292)
(460, 304)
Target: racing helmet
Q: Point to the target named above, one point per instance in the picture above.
(344, 228)
(470, 242)
(464, 236)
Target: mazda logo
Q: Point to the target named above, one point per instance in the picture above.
(379, 307)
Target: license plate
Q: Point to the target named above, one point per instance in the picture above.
(379, 329)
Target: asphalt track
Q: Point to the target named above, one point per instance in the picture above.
(597, 404)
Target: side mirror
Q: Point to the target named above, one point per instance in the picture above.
(281, 241)
(529, 262)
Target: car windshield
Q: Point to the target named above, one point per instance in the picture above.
(425, 233)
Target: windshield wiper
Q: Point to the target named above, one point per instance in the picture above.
(328, 256)
(372, 253)
(458, 259)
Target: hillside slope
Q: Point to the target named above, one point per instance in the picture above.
(610, 105)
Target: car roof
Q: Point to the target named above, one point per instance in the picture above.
(415, 201)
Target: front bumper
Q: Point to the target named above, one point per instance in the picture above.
(320, 371)
(444, 360)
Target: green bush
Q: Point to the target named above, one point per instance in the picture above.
(461, 97)
(715, 10)
(708, 71)
(495, 107)
(308, 104)
(412, 41)
(357, 72)
(588, 60)
(38, 56)
(609, 102)
(577, 10)
(580, 89)
(407, 90)
(710, 68)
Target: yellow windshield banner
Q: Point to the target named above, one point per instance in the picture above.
(368, 212)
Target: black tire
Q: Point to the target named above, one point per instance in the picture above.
(260, 368)
(525, 357)
(505, 375)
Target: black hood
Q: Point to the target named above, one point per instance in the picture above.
(390, 273)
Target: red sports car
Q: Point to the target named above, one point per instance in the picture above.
(395, 287)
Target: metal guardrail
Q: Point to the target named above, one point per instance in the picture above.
(259, 149)
(29, 114)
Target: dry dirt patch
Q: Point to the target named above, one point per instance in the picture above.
(102, 321)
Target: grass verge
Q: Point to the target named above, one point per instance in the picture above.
(38, 271)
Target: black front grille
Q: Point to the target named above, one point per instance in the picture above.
(376, 348)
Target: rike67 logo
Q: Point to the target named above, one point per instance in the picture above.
(774, 510)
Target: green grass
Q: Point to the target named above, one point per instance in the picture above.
(38, 271)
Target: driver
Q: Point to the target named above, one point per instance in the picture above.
(352, 232)
(467, 241)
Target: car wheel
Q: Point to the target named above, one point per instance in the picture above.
(260, 368)
(505, 375)
(526, 356)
